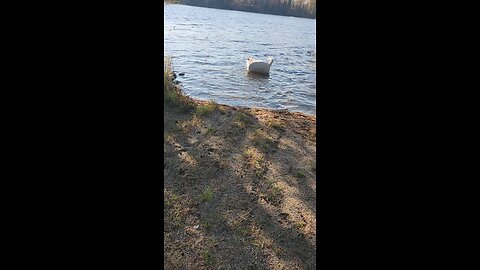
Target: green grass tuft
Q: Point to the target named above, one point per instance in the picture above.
(274, 194)
(208, 258)
(300, 225)
(210, 129)
(300, 175)
(207, 195)
(206, 109)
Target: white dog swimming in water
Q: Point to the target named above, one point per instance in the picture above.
(258, 66)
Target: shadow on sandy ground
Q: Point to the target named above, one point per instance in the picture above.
(239, 189)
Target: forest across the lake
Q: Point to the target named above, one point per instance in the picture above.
(296, 8)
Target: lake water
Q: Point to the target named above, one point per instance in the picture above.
(211, 46)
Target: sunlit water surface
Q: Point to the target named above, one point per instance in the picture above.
(211, 46)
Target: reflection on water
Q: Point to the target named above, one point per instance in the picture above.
(256, 76)
(211, 46)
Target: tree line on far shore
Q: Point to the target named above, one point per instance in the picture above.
(297, 8)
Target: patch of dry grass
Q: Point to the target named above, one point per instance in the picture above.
(206, 109)
(274, 193)
(275, 124)
(175, 208)
(242, 120)
(261, 139)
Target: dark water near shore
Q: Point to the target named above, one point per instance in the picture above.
(211, 46)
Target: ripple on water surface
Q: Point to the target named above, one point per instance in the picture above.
(210, 46)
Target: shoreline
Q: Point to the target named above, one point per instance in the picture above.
(203, 102)
(273, 111)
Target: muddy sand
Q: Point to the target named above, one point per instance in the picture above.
(239, 187)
